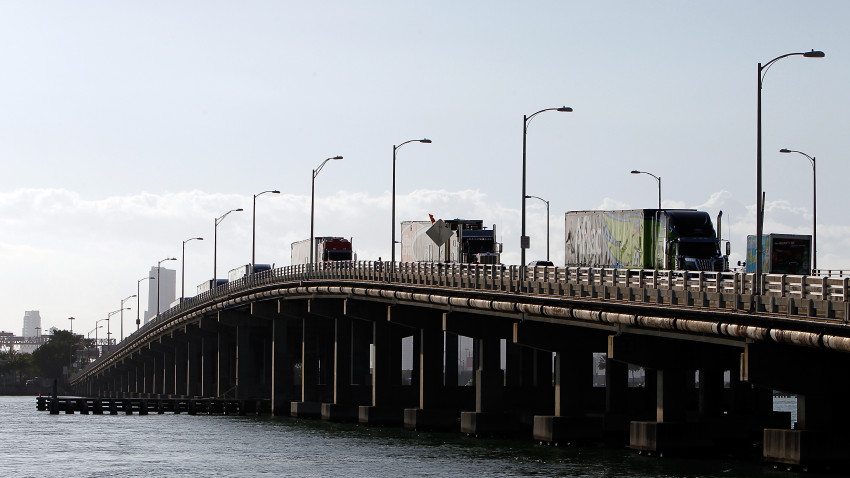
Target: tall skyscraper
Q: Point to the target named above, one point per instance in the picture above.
(32, 324)
(166, 289)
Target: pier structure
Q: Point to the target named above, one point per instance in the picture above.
(327, 344)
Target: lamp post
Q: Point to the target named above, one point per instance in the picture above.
(109, 316)
(158, 267)
(254, 226)
(215, 244)
(313, 206)
(88, 336)
(814, 206)
(523, 240)
(95, 335)
(72, 319)
(547, 222)
(122, 314)
(183, 268)
(396, 148)
(138, 288)
(657, 178)
(762, 71)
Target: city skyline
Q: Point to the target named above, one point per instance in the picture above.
(129, 129)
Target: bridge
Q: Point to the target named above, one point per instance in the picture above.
(326, 342)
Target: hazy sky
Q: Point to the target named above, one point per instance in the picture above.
(127, 127)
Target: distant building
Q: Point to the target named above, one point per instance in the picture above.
(32, 328)
(165, 289)
(32, 324)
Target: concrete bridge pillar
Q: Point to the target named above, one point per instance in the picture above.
(343, 407)
(284, 344)
(226, 361)
(385, 376)
(209, 364)
(194, 361)
(168, 370)
(310, 404)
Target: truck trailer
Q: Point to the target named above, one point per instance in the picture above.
(246, 270)
(781, 254)
(671, 239)
(327, 249)
(468, 242)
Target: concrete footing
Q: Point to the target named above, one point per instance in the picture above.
(804, 448)
(679, 437)
(565, 430)
(422, 419)
(305, 409)
(380, 416)
(340, 413)
(489, 423)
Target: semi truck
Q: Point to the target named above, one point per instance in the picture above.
(465, 240)
(210, 285)
(671, 239)
(327, 249)
(246, 270)
(781, 254)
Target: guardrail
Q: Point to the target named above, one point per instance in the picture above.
(497, 277)
(808, 297)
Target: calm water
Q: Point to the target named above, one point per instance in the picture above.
(38, 444)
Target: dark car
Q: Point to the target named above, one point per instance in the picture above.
(541, 264)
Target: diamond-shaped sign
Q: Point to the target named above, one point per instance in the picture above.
(439, 232)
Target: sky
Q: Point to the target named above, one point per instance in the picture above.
(129, 127)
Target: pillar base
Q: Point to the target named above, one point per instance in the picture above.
(805, 448)
(305, 409)
(489, 423)
(380, 416)
(339, 413)
(679, 437)
(430, 419)
(567, 430)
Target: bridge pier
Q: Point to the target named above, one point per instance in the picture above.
(819, 438)
(285, 341)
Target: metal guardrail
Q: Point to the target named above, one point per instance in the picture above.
(497, 277)
(830, 293)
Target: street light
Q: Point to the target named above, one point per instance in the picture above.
(109, 316)
(313, 206)
(396, 148)
(215, 244)
(95, 334)
(138, 288)
(762, 71)
(72, 324)
(657, 178)
(547, 222)
(524, 241)
(122, 314)
(814, 206)
(183, 268)
(254, 226)
(158, 267)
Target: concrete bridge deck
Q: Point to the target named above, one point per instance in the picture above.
(326, 343)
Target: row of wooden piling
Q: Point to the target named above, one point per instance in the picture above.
(145, 406)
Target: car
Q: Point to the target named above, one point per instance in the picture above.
(541, 264)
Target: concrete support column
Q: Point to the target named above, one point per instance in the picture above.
(342, 361)
(382, 365)
(489, 378)
(181, 368)
(430, 368)
(282, 392)
(246, 371)
(209, 365)
(157, 373)
(670, 395)
(194, 366)
(451, 364)
(309, 361)
(573, 381)
(710, 393)
(226, 362)
(168, 371)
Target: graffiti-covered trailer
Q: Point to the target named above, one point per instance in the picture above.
(782, 254)
(467, 241)
(327, 249)
(680, 239)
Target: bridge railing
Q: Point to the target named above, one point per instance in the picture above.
(500, 277)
